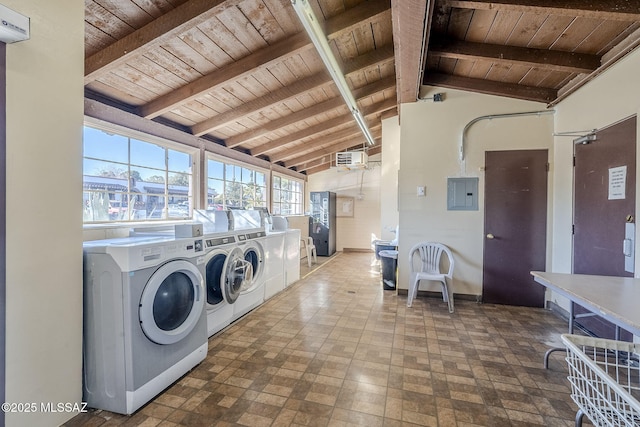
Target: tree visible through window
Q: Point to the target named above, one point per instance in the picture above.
(127, 179)
(231, 186)
(287, 196)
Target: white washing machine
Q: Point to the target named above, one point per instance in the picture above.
(291, 256)
(274, 263)
(226, 274)
(144, 318)
(252, 294)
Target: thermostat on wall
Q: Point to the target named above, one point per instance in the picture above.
(14, 27)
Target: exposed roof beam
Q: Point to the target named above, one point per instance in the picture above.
(314, 82)
(372, 10)
(285, 48)
(571, 62)
(151, 35)
(306, 113)
(322, 127)
(319, 168)
(603, 9)
(410, 38)
(359, 64)
(511, 90)
(235, 70)
(334, 148)
(314, 165)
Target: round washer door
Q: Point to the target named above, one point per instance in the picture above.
(237, 275)
(172, 302)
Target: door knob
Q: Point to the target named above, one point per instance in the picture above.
(490, 236)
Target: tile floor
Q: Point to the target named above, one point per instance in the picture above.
(334, 349)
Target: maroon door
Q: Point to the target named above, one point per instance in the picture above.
(515, 226)
(601, 208)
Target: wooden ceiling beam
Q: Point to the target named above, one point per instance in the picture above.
(410, 38)
(511, 90)
(603, 9)
(363, 62)
(280, 50)
(279, 96)
(328, 151)
(364, 13)
(307, 113)
(345, 119)
(165, 27)
(320, 168)
(328, 161)
(233, 71)
(571, 62)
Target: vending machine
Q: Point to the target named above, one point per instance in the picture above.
(322, 222)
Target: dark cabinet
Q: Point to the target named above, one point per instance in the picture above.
(322, 223)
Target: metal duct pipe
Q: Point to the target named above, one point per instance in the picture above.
(495, 116)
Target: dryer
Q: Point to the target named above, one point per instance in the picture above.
(252, 293)
(144, 318)
(226, 274)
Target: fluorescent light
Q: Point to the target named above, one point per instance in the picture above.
(315, 32)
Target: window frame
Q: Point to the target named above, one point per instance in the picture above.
(226, 161)
(273, 191)
(165, 143)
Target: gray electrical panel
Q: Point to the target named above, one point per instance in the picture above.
(462, 194)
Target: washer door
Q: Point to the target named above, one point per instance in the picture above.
(237, 275)
(172, 302)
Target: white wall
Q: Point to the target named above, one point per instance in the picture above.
(430, 146)
(364, 186)
(390, 166)
(44, 221)
(613, 96)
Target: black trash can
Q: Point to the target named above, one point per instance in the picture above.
(389, 262)
(383, 245)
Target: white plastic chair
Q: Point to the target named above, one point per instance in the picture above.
(311, 250)
(430, 254)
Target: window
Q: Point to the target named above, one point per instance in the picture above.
(287, 196)
(127, 179)
(230, 186)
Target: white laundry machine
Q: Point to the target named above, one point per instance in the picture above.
(226, 274)
(252, 294)
(291, 256)
(144, 318)
(274, 263)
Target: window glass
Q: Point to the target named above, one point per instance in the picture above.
(287, 196)
(230, 186)
(127, 179)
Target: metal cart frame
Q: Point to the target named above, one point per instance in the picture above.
(604, 376)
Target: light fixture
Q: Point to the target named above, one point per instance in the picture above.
(315, 32)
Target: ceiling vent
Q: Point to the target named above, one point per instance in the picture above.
(351, 160)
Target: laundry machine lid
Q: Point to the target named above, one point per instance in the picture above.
(172, 302)
(237, 274)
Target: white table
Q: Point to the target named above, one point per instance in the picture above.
(616, 299)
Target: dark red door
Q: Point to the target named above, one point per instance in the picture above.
(515, 226)
(601, 210)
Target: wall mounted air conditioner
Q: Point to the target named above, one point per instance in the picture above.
(349, 160)
(14, 27)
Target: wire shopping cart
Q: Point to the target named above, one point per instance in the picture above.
(605, 380)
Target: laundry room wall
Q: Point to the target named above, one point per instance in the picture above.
(363, 186)
(430, 147)
(611, 97)
(389, 168)
(45, 90)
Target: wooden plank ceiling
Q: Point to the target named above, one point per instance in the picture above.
(539, 50)
(244, 74)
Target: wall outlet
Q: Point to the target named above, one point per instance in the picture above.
(421, 191)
